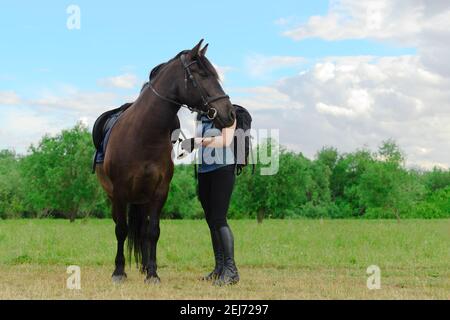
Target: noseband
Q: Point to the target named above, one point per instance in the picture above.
(210, 112)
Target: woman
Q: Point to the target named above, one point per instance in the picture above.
(216, 175)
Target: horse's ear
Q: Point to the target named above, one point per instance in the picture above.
(203, 51)
(195, 50)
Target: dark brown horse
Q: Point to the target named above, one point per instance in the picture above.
(138, 165)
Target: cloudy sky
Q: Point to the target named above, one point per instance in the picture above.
(346, 73)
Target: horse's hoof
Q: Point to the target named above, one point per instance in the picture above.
(119, 278)
(153, 280)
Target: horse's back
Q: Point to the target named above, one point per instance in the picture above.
(103, 124)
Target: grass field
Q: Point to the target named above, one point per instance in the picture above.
(279, 259)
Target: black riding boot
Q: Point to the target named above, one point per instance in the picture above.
(218, 256)
(229, 273)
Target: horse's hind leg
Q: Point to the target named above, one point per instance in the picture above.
(150, 238)
(119, 216)
(104, 180)
(151, 233)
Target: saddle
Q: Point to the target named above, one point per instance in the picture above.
(103, 126)
(105, 122)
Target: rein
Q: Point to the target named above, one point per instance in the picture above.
(211, 112)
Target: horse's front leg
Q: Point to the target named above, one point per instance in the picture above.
(119, 217)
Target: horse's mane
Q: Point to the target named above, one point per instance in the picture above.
(204, 62)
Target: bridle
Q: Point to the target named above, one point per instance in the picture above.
(210, 112)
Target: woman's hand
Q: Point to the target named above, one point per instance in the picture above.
(224, 140)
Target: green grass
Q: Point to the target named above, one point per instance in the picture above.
(413, 255)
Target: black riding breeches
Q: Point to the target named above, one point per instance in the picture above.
(215, 189)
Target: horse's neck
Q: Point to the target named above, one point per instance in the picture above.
(153, 115)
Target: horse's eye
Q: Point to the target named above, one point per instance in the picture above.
(202, 73)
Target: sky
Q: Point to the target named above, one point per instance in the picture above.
(342, 73)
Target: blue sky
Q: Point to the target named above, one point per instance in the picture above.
(39, 51)
(347, 73)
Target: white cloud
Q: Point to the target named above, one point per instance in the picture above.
(358, 102)
(264, 98)
(333, 110)
(260, 66)
(26, 120)
(84, 121)
(403, 20)
(79, 102)
(422, 24)
(21, 126)
(9, 98)
(324, 71)
(124, 81)
(222, 70)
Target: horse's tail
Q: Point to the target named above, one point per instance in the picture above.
(134, 239)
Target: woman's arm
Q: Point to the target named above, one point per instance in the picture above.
(224, 140)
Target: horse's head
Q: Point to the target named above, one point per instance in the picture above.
(197, 84)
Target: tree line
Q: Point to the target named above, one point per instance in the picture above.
(54, 180)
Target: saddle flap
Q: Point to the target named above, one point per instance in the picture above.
(102, 125)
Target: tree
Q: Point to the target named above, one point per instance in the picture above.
(437, 179)
(58, 174)
(386, 185)
(55, 179)
(182, 200)
(11, 185)
(344, 182)
(328, 156)
(280, 195)
(389, 151)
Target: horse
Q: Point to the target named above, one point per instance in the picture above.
(138, 166)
